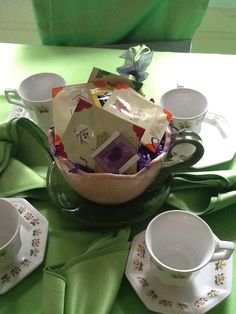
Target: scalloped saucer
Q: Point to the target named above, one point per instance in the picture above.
(34, 231)
(209, 287)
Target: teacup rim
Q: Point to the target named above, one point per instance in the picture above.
(18, 223)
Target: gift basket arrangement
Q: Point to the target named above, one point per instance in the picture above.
(109, 141)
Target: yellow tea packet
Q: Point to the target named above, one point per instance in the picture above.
(100, 95)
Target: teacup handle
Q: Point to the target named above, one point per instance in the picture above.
(171, 165)
(10, 99)
(184, 137)
(223, 250)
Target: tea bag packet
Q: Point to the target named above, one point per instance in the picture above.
(113, 79)
(130, 106)
(65, 101)
(100, 141)
(101, 95)
(116, 154)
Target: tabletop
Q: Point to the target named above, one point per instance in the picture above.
(211, 74)
(70, 243)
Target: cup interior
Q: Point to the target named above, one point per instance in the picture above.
(9, 223)
(39, 87)
(180, 240)
(184, 103)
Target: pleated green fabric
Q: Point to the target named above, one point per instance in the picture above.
(23, 156)
(90, 22)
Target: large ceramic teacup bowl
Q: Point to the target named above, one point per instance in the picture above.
(107, 188)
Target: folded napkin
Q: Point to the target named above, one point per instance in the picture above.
(203, 192)
(89, 282)
(24, 157)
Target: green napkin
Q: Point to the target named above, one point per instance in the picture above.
(220, 179)
(24, 157)
(89, 282)
(203, 192)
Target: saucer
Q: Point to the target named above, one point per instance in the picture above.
(97, 215)
(210, 286)
(33, 230)
(217, 139)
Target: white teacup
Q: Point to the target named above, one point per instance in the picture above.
(180, 244)
(35, 95)
(10, 241)
(187, 106)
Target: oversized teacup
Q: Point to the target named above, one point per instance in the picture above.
(10, 241)
(34, 94)
(108, 188)
(180, 244)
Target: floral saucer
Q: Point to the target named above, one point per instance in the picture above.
(33, 230)
(208, 288)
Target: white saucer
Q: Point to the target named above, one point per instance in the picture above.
(34, 230)
(217, 139)
(208, 288)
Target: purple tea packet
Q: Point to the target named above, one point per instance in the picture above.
(116, 154)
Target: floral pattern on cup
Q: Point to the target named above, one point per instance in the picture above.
(188, 125)
(36, 232)
(179, 276)
(42, 109)
(184, 125)
(139, 262)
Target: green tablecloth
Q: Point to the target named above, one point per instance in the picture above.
(83, 270)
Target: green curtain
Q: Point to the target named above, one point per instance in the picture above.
(90, 22)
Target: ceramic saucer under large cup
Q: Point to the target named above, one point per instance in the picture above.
(33, 231)
(102, 215)
(211, 285)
